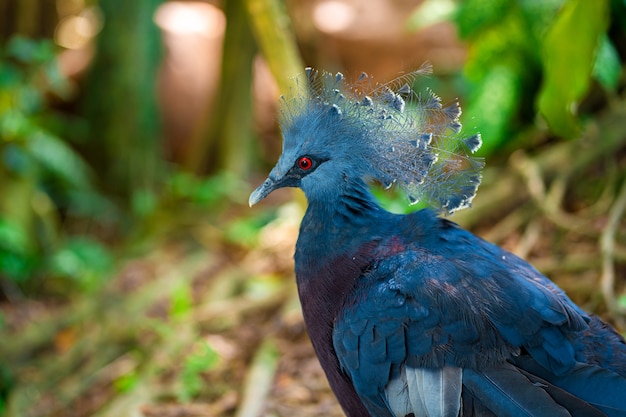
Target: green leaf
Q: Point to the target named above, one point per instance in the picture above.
(84, 260)
(568, 56)
(10, 78)
(245, 230)
(30, 51)
(181, 301)
(431, 12)
(607, 68)
(16, 266)
(12, 237)
(126, 382)
(494, 105)
(14, 126)
(474, 16)
(203, 359)
(144, 202)
(540, 14)
(60, 159)
(16, 258)
(91, 204)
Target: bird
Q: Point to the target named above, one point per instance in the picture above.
(410, 315)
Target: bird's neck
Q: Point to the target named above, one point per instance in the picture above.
(341, 211)
(336, 240)
(334, 248)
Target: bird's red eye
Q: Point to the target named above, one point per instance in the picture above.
(305, 163)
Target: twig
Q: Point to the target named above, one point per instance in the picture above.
(259, 380)
(66, 377)
(549, 202)
(512, 222)
(572, 262)
(529, 239)
(500, 192)
(607, 248)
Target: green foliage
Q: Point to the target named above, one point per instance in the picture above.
(84, 261)
(568, 54)
(245, 231)
(431, 12)
(181, 301)
(607, 68)
(6, 383)
(203, 359)
(41, 176)
(126, 382)
(16, 261)
(503, 63)
(143, 202)
(533, 56)
(207, 192)
(394, 200)
(119, 101)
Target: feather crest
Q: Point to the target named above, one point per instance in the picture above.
(409, 140)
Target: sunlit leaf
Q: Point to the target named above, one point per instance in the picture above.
(181, 301)
(431, 12)
(126, 382)
(568, 56)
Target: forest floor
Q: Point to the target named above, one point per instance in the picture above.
(204, 324)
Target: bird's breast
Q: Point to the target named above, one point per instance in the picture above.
(323, 287)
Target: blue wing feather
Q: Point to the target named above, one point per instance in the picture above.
(436, 305)
(506, 392)
(600, 387)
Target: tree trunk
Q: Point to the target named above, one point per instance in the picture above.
(121, 99)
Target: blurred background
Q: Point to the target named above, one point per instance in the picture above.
(134, 279)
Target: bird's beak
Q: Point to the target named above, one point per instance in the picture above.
(260, 193)
(279, 177)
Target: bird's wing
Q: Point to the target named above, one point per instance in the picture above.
(418, 318)
(598, 386)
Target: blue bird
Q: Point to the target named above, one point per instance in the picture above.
(410, 315)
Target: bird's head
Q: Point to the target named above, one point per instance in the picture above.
(337, 133)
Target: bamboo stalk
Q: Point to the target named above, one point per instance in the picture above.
(272, 28)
